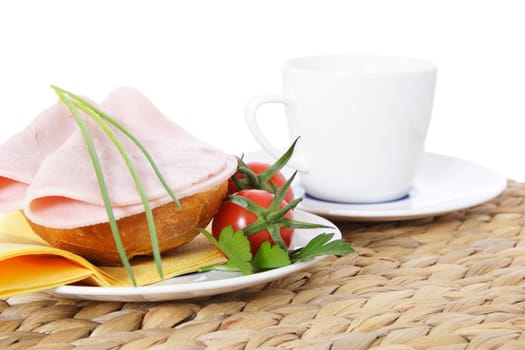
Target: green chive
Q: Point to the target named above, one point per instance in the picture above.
(113, 122)
(138, 184)
(102, 183)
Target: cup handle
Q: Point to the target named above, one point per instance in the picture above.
(250, 114)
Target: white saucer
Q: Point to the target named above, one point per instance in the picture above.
(443, 184)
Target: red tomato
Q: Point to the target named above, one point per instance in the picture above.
(278, 179)
(238, 217)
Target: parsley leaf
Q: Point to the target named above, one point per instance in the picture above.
(321, 245)
(270, 257)
(235, 246)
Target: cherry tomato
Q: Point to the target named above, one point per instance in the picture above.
(257, 167)
(238, 217)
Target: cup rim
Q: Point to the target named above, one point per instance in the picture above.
(359, 64)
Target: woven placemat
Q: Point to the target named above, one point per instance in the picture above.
(450, 282)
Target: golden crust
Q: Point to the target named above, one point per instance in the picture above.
(174, 228)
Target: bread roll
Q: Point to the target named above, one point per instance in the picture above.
(174, 228)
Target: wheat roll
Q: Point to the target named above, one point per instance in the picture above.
(174, 228)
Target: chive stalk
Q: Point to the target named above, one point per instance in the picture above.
(101, 182)
(75, 103)
(119, 126)
(138, 184)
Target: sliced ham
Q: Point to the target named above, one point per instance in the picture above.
(64, 192)
(22, 154)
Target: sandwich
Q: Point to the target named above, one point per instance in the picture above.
(47, 173)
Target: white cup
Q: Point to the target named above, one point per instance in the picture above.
(362, 122)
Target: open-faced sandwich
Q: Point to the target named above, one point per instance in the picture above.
(114, 181)
(46, 171)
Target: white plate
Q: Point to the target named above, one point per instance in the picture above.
(203, 284)
(443, 184)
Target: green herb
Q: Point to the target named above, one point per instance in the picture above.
(76, 103)
(101, 182)
(321, 245)
(236, 247)
(270, 257)
(79, 101)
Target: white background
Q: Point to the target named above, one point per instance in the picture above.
(200, 61)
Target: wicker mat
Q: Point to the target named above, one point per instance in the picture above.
(450, 282)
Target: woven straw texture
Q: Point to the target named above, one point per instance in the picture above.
(450, 282)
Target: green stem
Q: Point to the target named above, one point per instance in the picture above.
(275, 232)
(279, 164)
(138, 184)
(281, 193)
(101, 182)
(119, 126)
(278, 214)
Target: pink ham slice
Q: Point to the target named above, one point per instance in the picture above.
(64, 192)
(22, 154)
